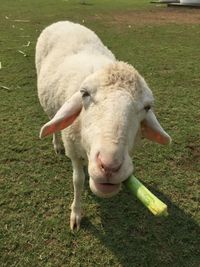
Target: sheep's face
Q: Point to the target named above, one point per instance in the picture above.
(115, 106)
(115, 102)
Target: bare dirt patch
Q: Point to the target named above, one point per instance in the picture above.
(154, 16)
(190, 159)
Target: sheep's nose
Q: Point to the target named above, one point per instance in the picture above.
(108, 166)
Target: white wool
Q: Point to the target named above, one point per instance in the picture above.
(71, 58)
(66, 53)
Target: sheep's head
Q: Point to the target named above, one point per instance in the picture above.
(115, 104)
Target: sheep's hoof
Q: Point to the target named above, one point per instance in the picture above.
(59, 150)
(75, 220)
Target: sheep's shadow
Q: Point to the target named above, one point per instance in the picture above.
(137, 238)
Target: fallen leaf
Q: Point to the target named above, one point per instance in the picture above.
(5, 87)
(27, 44)
(21, 20)
(21, 52)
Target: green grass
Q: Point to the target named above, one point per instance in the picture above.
(35, 185)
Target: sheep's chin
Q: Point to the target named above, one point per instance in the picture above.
(100, 193)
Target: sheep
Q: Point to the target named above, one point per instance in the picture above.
(99, 104)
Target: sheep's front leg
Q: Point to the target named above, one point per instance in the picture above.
(57, 144)
(78, 182)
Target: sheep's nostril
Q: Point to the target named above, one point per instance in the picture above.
(108, 167)
(102, 166)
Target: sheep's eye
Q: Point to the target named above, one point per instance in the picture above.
(147, 108)
(84, 93)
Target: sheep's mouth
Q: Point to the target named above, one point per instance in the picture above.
(107, 188)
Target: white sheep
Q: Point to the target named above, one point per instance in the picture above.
(106, 103)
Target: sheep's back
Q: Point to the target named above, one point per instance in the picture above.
(65, 38)
(66, 53)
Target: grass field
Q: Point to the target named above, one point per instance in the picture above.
(35, 185)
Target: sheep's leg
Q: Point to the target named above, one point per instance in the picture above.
(78, 182)
(57, 141)
(57, 144)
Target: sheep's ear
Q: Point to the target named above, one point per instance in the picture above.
(64, 117)
(152, 130)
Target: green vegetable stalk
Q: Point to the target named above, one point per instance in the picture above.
(156, 206)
